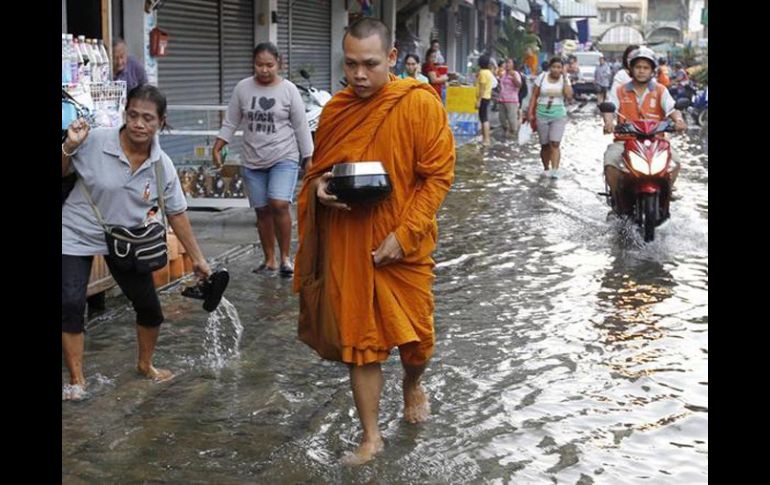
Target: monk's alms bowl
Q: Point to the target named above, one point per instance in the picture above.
(359, 183)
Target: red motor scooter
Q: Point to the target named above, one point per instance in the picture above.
(644, 187)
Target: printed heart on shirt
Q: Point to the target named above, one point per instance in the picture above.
(266, 104)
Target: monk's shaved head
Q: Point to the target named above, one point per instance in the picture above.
(369, 55)
(366, 27)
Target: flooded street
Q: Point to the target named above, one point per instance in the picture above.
(567, 351)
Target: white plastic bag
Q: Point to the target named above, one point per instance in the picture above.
(82, 94)
(525, 133)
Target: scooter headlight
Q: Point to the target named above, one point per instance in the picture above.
(658, 163)
(638, 163)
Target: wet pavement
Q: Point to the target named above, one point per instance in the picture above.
(568, 351)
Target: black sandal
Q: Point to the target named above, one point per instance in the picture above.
(287, 271)
(209, 290)
(262, 268)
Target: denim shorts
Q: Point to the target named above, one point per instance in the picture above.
(277, 182)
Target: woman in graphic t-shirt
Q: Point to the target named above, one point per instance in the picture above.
(276, 136)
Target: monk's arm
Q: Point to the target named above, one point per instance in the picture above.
(436, 151)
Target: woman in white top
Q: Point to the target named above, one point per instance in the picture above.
(548, 113)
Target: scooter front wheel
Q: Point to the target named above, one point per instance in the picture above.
(703, 117)
(649, 216)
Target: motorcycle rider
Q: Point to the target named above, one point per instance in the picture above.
(641, 99)
(664, 73)
(679, 80)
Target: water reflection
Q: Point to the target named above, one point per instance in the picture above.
(630, 290)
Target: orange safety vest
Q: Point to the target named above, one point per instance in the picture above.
(650, 109)
(663, 76)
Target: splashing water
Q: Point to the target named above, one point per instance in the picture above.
(222, 336)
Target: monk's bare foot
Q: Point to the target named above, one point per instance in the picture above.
(157, 375)
(416, 405)
(364, 453)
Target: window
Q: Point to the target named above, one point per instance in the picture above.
(630, 16)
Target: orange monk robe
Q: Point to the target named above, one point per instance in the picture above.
(405, 127)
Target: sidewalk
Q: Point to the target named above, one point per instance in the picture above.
(220, 231)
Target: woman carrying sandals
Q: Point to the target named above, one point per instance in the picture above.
(548, 113)
(123, 176)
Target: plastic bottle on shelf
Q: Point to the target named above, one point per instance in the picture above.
(107, 66)
(79, 54)
(74, 60)
(86, 67)
(96, 69)
(66, 72)
(93, 61)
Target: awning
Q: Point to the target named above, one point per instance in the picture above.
(571, 9)
(518, 16)
(521, 6)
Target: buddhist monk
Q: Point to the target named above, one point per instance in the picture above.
(376, 259)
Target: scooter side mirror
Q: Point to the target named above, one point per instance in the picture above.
(607, 107)
(682, 104)
(304, 74)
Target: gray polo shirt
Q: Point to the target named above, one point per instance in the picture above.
(122, 197)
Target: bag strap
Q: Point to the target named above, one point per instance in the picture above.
(67, 97)
(161, 193)
(161, 199)
(87, 194)
(81, 110)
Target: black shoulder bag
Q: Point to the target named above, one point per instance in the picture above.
(142, 248)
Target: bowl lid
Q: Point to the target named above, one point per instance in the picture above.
(358, 168)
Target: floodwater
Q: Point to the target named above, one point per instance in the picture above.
(568, 351)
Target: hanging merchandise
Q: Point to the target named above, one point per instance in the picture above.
(109, 100)
(87, 84)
